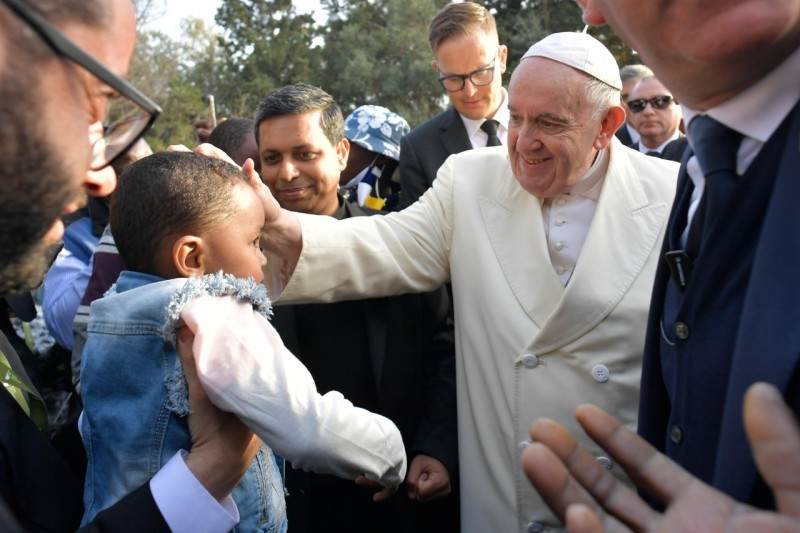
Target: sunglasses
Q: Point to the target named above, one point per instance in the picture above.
(658, 102)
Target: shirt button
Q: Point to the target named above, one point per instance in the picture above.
(675, 434)
(600, 373)
(562, 201)
(605, 462)
(560, 222)
(530, 361)
(560, 245)
(560, 270)
(681, 330)
(522, 445)
(535, 527)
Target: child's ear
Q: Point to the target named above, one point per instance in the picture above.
(187, 256)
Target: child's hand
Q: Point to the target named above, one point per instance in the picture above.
(381, 496)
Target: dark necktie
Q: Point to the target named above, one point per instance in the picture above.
(653, 153)
(490, 127)
(715, 146)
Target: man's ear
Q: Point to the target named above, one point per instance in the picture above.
(608, 126)
(188, 255)
(591, 15)
(502, 53)
(343, 152)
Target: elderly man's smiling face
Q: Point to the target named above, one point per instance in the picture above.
(554, 132)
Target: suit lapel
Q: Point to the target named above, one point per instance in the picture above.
(624, 232)
(453, 135)
(768, 343)
(513, 220)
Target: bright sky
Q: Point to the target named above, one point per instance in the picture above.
(178, 10)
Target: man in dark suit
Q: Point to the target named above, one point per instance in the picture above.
(469, 62)
(394, 356)
(724, 307)
(49, 95)
(630, 76)
(656, 116)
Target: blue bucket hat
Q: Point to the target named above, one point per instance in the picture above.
(376, 129)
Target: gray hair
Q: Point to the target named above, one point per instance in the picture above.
(601, 96)
(634, 73)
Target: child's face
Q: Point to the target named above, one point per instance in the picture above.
(233, 247)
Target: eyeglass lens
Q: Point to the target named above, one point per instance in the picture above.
(127, 123)
(479, 78)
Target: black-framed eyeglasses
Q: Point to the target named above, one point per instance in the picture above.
(133, 114)
(479, 78)
(658, 102)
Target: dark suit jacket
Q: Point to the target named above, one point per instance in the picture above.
(424, 150)
(673, 151)
(412, 352)
(624, 136)
(767, 345)
(41, 491)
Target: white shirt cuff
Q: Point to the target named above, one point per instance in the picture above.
(185, 504)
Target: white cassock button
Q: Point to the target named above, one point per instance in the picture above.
(605, 462)
(530, 361)
(600, 373)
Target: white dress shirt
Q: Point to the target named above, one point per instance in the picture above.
(477, 137)
(567, 218)
(185, 504)
(644, 149)
(756, 113)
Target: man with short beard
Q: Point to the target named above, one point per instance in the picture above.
(53, 99)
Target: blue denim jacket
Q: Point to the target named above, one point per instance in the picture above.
(135, 405)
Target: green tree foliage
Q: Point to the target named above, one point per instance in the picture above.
(520, 23)
(376, 52)
(170, 72)
(266, 44)
(366, 52)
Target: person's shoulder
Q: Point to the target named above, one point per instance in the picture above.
(135, 296)
(655, 176)
(489, 155)
(432, 125)
(675, 150)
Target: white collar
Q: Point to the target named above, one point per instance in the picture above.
(501, 116)
(644, 149)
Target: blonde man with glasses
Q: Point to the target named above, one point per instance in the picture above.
(469, 62)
